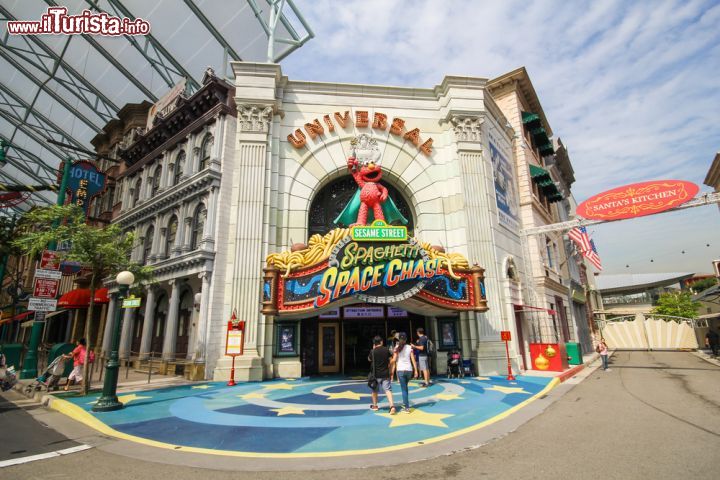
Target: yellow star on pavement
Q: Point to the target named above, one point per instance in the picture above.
(417, 417)
(125, 399)
(347, 394)
(288, 411)
(358, 378)
(508, 390)
(252, 395)
(448, 396)
(280, 386)
(482, 378)
(200, 387)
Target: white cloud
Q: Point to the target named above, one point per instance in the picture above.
(630, 87)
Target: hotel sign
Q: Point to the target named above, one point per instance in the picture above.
(637, 200)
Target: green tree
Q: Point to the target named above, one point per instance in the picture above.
(678, 304)
(104, 251)
(704, 284)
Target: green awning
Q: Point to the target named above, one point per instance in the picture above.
(529, 117)
(545, 182)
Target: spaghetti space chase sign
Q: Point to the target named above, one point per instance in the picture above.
(375, 270)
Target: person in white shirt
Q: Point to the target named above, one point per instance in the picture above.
(405, 366)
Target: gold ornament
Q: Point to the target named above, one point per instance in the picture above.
(550, 352)
(542, 363)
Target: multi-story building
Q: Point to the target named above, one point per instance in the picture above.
(170, 194)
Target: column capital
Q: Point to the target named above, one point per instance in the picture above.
(254, 118)
(467, 126)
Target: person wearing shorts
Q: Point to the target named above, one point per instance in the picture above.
(421, 346)
(380, 359)
(78, 356)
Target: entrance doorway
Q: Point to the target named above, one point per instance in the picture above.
(342, 343)
(329, 351)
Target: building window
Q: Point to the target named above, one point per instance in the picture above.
(156, 181)
(549, 252)
(179, 167)
(198, 225)
(171, 234)
(147, 244)
(136, 193)
(205, 149)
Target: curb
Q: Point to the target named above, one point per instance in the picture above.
(563, 376)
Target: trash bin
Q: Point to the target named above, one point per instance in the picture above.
(62, 349)
(13, 354)
(574, 353)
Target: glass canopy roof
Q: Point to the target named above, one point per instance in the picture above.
(67, 87)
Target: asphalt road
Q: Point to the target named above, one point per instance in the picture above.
(655, 415)
(21, 435)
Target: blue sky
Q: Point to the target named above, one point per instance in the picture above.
(631, 88)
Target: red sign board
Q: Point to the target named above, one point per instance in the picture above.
(45, 288)
(637, 200)
(505, 335)
(49, 260)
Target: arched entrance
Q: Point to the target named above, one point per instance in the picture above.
(184, 317)
(158, 336)
(331, 200)
(340, 340)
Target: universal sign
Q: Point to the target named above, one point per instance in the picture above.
(637, 200)
(361, 119)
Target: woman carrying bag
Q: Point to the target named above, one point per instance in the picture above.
(405, 366)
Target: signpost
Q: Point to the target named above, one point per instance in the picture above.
(42, 304)
(506, 337)
(44, 288)
(234, 343)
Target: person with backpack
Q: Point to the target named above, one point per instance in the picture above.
(423, 348)
(381, 363)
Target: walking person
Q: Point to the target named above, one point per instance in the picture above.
(421, 347)
(602, 349)
(381, 361)
(404, 361)
(392, 342)
(78, 356)
(712, 341)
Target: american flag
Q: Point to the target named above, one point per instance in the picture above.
(586, 246)
(592, 256)
(581, 238)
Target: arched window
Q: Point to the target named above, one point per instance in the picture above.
(136, 193)
(332, 199)
(147, 244)
(156, 181)
(198, 225)
(171, 234)
(205, 149)
(179, 167)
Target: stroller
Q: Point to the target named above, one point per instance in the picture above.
(7, 375)
(50, 376)
(454, 364)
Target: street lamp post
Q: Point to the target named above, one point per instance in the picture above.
(109, 400)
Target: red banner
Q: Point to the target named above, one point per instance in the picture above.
(637, 200)
(49, 260)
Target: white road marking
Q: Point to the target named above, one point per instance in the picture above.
(43, 456)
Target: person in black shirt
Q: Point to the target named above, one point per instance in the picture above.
(380, 359)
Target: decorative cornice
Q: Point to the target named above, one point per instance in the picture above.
(182, 263)
(254, 118)
(175, 195)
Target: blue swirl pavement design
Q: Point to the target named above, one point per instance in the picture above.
(310, 417)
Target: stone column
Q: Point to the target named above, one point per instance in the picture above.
(148, 323)
(126, 334)
(202, 320)
(187, 234)
(171, 325)
(109, 325)
(208, 234)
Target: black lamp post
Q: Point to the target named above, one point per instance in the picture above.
(109, 401)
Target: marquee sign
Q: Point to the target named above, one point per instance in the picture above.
(339, 267)
(84, 183)
(637, 200)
